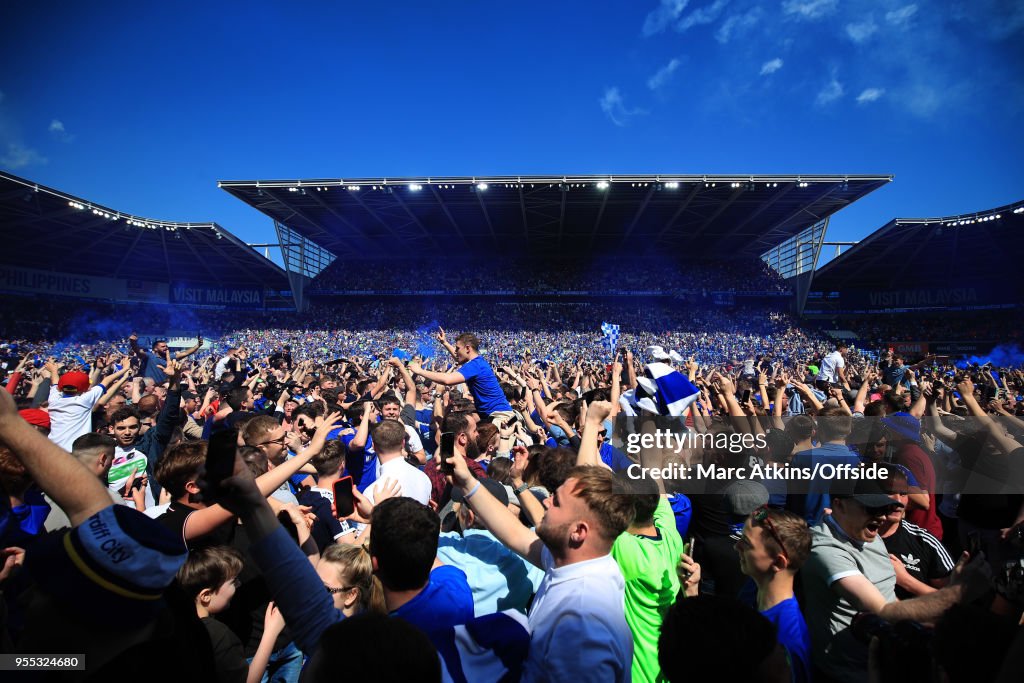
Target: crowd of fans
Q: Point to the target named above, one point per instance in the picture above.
(519, 276)
(1002, 326)
(315, 490)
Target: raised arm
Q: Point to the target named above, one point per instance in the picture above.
(410, 385)
(448, 379)
(73, 487)
(495, 516)
(188, 352)
(441, 337)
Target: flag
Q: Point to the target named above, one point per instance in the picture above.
(663, 391)
(401, 355)
(611, 335)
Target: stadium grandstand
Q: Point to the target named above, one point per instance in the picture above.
(634, 223)
(59, 245)
(945, 285)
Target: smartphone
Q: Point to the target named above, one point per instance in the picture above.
(344, 501)
(220, 459)
(286, 521)
(690, 545)
(746, 396)
(445, 451)
(973, 544)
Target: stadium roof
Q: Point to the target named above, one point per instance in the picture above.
(50, 230)
(983, 246)
(716, 217)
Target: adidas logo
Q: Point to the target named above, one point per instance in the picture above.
(910, 560)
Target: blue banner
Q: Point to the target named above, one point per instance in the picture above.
(217, 296)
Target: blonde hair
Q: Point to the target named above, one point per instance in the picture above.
(354, 568)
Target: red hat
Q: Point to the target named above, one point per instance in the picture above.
(35, 416)
(76, 380)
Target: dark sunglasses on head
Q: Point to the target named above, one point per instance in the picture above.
(761, 518)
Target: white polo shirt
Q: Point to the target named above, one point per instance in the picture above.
(414, 483)
(578, 624)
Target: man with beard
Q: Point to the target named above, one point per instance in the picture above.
(577, 619)
(464, 428)
(849, 571)
(96, 452)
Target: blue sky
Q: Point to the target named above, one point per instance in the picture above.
(144, 106)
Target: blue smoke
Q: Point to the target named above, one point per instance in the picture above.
(423, 341)
(1002, 356)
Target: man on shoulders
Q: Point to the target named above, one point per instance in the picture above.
(153, 362)
(474, 371)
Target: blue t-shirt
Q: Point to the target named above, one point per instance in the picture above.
(682, 509)
(793, 635)
(446, 601)
(153, 367)
(614, 458)
(484, 386)
(361, 463)
(812, 506)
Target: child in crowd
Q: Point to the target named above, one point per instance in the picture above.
(210, 578)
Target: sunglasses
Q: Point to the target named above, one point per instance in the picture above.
(761, 518)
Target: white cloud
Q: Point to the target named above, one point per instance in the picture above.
(859, 33)
(662, 76)
(666, 13)
(19, 156)
(771, 67)
(613, 106)
(704, 15)
(58, 131)
(832, 91)
(737, 23)
(901, 16)
(809, 9)
(870, 95)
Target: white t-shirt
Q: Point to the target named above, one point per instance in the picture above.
(221, 367)
(830, 367)
(414, 483)
(578, 624)
(71, 416)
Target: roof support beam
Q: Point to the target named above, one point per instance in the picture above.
(722, 206)
(640, 211)
(483, 207)
(682, 207)
(522, 208)
(444, 207)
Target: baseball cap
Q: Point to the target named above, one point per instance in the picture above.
(497, 490)
(867, 492)
(35, 416)
(74, 380)
(743, 497)
(188, 395)
(114, 565)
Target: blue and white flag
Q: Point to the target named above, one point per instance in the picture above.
(662, 391)
(493, 647)
(611, 335)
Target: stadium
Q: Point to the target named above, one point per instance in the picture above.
(588, 304)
